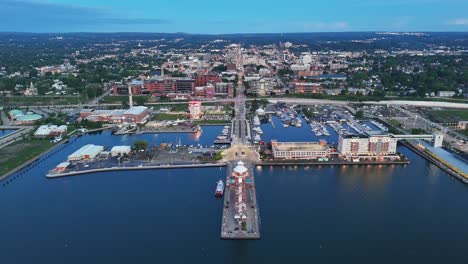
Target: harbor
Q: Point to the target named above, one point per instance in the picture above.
(308, 190)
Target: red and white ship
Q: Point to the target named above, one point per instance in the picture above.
(219, 189)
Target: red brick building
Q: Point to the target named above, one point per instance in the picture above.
(203, 80)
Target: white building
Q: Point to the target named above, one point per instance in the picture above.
(120, 151)
(299, 150)
(446, 93)
(86, 152)
(438, 140)
(53, 130)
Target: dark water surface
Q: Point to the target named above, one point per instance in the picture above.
(388, 214)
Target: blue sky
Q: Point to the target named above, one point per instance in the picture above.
(234, 16)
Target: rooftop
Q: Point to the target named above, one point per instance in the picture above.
(299, 146)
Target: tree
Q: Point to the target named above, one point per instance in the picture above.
(141, 145)
(140, 100)
(359, 114)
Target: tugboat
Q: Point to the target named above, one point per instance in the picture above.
(219, 189)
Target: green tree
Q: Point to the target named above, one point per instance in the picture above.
(359, 114)
(141, 145)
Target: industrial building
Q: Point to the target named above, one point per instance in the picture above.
(50, 131)
(136, 114)
(300, 150)
(87, 152)
(363, 145)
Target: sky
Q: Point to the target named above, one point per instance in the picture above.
(234, 16)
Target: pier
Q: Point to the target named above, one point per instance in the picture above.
(240, 211)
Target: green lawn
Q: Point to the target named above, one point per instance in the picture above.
(451, 115)
(160, 117)
(41, 100)
(18, 153)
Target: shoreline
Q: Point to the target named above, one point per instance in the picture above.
(34, 159)
(220, 164)
(437, 163)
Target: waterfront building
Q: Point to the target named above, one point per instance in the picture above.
(438, 140)
(87, 152)
(136, 114)
(120, 151)
(362, 145)
(300, 150)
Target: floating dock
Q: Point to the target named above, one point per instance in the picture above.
(240, 210)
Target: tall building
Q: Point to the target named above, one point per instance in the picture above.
(167, 86)
(375, 145)
(195, 109)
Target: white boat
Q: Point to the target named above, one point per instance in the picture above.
(285, 125)
(221, 137)
(256, 121)
(258, 130)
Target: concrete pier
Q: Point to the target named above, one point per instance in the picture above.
(231, 227)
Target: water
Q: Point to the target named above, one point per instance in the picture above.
(294, 134)
(4, 132)
(388, 214)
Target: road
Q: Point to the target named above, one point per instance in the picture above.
(441, 128)
(5, 120)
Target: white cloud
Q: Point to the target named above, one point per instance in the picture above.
(459, 22)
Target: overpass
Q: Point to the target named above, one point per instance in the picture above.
(425, 137)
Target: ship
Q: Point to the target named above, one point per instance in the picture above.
(219, 189)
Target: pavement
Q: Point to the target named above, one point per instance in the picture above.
(13, 137)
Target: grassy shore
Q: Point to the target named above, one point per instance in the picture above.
(18, 153)
(41, 100)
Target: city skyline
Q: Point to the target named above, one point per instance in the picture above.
(210, 17)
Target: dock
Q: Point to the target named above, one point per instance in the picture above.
(241, 219)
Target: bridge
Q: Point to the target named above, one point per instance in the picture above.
(425, 137)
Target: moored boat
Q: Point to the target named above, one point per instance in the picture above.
(219, 189)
